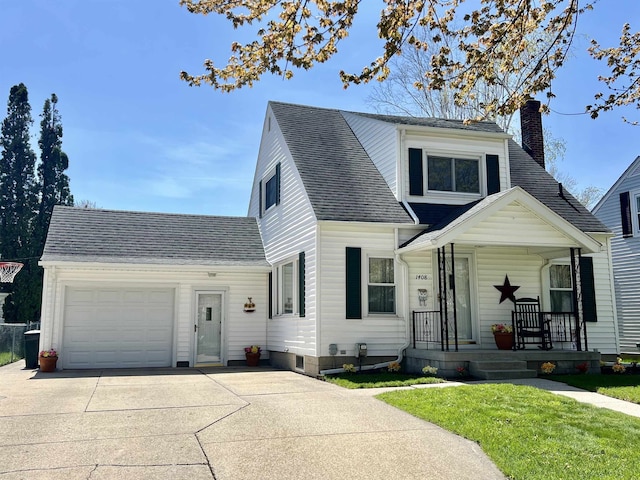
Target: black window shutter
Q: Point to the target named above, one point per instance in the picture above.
(588, 290)
(270, 294)
(354, 283)
(278, 184)
(260, 198)
(301, 292)
(415, 172)
(625, 213)
(493, 174)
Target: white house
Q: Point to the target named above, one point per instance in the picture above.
(392, 232)
(619, 210)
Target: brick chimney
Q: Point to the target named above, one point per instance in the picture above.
(531, 128)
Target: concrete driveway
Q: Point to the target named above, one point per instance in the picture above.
(224, 423)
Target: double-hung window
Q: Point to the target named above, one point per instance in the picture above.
(285, 288)
(381, 285)
(560, 288)
(288, 287)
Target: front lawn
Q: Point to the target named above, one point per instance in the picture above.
(379, 379)
(530, 433)
(624, 387)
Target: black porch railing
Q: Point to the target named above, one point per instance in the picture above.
(428, 328)
(566, 334)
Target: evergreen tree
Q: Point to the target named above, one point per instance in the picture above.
(53, 183)
(18, 197)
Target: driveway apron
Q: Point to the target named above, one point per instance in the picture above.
(223, 424)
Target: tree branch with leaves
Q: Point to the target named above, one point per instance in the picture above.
(493, 35)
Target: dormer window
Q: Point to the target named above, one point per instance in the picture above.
(446, 174)
(439, 175)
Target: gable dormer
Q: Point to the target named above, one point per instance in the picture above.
(452, 168)
(430, 160)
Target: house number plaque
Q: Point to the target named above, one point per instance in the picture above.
(422, 276)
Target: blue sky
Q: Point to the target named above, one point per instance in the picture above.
(138, 138)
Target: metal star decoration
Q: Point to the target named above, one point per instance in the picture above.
(507, 290)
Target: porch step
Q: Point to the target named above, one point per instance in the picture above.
(501, 370)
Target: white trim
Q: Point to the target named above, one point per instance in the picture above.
(450, 132)
(368, 255)
(634, 199)
(277, 287)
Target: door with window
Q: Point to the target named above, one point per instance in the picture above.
(460, 297)
(208, 327)
(463, 296)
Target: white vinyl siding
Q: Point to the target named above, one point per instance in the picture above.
(515, 225)
(383, 333)
(286, 233)
(240, 329)
(380, 141)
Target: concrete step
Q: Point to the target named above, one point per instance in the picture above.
(501, 370)
(497, 365)
(504, 374)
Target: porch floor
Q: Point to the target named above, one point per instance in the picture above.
(515, 364)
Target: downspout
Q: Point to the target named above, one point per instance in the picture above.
(407, 336)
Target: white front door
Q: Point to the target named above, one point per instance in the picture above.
(208, 327)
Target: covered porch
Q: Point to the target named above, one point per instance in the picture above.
(506, 247)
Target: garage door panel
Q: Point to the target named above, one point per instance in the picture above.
(118, 328)
(108, 296)
(80, 295)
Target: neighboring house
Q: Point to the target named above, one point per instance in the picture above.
(387, 231)
(619, 210)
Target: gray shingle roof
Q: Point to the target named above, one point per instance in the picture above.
(341, 181)
(528, 174)
(91, 235)
(487, 127)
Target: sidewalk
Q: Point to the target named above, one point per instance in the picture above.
(578, 394)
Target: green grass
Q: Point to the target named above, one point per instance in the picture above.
(529, 433)
(5, 358)
(381, 379)
(624, 387)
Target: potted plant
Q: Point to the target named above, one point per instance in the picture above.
(503, 336)
(48, 360)
(252, 355)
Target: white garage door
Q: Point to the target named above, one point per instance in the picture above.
(108, 327)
